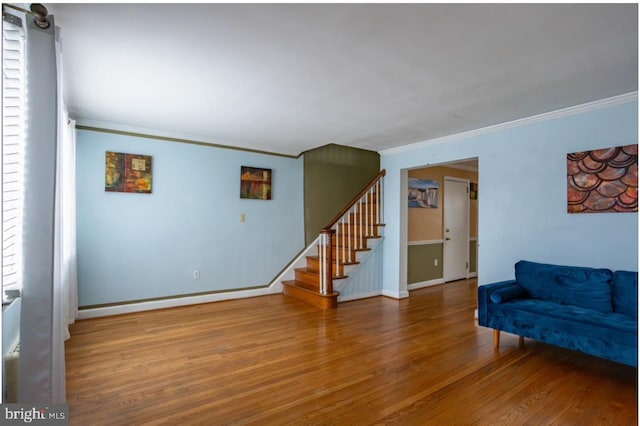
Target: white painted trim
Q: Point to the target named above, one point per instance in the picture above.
(461, 167)
(422, 284)
(473, 238)
(395, 294)
(107, 125)
(424, 242)
(472, 275)
(457, 179)
(169, 303)
(552, 115)
(360, 296)
(404, 234)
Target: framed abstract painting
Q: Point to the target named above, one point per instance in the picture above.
(127, 173)
(255, 183)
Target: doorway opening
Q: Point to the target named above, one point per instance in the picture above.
(441, 223)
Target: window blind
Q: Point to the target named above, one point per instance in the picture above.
(13, 140)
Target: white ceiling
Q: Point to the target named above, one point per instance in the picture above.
(286, 78)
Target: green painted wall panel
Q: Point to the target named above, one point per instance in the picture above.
(420, 262)
(333, 175)
(473, 256)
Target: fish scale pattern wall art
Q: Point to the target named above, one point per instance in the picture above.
(603, 180)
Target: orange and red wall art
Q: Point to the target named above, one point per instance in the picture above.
(127, 173)
(255, 183)
(603, 180)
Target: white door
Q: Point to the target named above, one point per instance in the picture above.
(456, 229)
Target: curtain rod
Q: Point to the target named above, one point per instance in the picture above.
(38, 11)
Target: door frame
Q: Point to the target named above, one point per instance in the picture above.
(445, 261)
(403, 224)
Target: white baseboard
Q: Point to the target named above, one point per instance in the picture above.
(395, 294)
(472, 275)
(360, 296)
(422, 284)
(170, 303)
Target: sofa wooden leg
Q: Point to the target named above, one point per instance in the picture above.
(520, 342)
(496, 339)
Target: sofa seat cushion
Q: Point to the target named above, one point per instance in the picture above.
(625, 293)
(566, 285)
(568, 320)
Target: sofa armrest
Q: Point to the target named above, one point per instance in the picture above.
(484, 297)
(504, 294)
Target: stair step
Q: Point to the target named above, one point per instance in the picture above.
(371, 213)
(316, 258)
(313, 265)
(299, 291)
(336, 253)
(353, 239)
(346, 245)
(353, 229)
(312, 278)
(353, 236)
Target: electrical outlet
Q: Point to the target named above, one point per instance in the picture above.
(196, 274)
(241, 217)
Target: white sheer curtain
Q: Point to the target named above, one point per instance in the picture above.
(65, 282)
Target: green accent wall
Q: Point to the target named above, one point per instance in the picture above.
(333, 176)
(420, 259)
(473, 256)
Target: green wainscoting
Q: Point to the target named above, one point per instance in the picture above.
(420, 262)
(473, 256)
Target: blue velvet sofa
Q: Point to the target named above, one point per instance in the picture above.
(594, 311)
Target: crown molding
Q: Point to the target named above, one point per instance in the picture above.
(141, 132)
(552, 115)
(461, 167)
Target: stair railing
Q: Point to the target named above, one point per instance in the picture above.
(363, 214)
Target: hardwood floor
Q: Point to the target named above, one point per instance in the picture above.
(275, 360)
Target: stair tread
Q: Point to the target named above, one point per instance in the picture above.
(313, 288)
(317, 258)
(315, 273)
(304, 287)
(313, 297)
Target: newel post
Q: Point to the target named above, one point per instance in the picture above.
(326, 261)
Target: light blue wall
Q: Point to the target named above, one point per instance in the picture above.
(522, 196)
(141, 246)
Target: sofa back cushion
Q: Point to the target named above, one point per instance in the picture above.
(625, 293)
(568, 285)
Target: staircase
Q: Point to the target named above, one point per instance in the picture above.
(339, 244)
